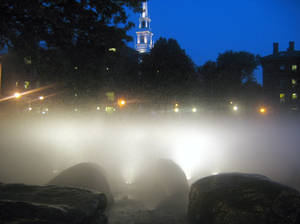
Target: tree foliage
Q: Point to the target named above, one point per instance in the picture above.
(168, 72)
(67, 41)
(225, 78)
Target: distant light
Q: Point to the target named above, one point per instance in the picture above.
(176, 110)
(44, 112)
(262, 110)
(294, 96)
(128, 182)
(30, 108)
(46, 109)
(41, 98)
(98, 108)
(194, 110)
(121, 102)
(235, 108)
(17, 95)
(231, 102)
(76, 110)
(215, 173)
(112, 49)
(176, 105)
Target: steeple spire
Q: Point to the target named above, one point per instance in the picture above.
(144, 35)
(145, 10)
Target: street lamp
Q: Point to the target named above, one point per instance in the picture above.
(41, 98)
(17, 95)
(263, 110)
(121, 102)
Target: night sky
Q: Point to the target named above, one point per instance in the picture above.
(205, 28)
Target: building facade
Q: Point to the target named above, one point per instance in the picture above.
(144, 40)
(281, 78)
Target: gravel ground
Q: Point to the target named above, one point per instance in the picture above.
(132, 212)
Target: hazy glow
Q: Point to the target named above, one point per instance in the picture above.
(124, 146)
(194, 110)
(176, 110)
(17, 95)
(262, 110)
(235, 108)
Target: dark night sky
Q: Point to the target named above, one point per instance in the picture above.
(205, 28)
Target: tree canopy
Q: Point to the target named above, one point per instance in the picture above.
(66, 41)
(226, 78)
(168, 72)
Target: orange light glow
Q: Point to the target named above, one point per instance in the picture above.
(121, 102)
(263, 110)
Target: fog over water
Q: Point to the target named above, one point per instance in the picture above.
(34, 150)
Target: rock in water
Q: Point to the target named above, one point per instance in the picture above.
(22, 204)
(84, 175)
(163, 185)
(242, 199)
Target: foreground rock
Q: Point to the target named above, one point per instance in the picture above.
(163, 185)
(22, 204)
(84, 175)
(242, 199)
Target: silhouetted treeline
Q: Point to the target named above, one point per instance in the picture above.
(81, 48)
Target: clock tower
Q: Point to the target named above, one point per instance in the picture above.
(144, 42)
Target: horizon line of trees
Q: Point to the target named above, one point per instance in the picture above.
(84, 51)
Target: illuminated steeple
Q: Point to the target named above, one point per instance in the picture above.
(144, 35)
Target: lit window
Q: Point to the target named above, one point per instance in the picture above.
(294, 82)
(294, 96)
(26, 84)
(112, 49)
(294, 67)
(282, 98)
(27, 60)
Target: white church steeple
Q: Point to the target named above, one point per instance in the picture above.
(144, 35)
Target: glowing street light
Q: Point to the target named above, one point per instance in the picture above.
(98, 108)
(41, 98)
(235, 108)
(263, 110)
(194, 110)
(176, 110)
(121, 102)
(17, 95)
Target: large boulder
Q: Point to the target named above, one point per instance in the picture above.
(242, 199)
(84, 175)
(163, 184)
(22, 204)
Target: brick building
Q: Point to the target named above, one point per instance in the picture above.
(281, 78)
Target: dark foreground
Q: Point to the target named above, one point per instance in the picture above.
(220, 199)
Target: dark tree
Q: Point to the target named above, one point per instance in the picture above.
(224, 80)
(168, 74)
(66, 41)
(236, 68)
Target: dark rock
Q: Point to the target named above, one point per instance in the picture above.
(84, 175)
(23, 204)
(163, 185)
(242, 199)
